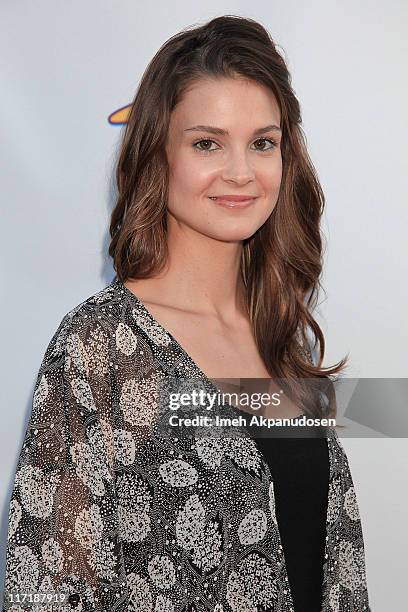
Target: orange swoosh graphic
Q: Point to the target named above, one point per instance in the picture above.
(120, 116)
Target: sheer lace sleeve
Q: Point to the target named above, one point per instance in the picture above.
(63, 534)
(304, 347)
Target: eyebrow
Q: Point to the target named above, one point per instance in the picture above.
(222, 132)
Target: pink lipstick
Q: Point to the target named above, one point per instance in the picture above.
(233, 201)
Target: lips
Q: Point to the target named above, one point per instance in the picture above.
(233, 198)
(233, 201)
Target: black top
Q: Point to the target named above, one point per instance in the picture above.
(300, 472)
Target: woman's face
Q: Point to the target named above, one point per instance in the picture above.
(224, 140)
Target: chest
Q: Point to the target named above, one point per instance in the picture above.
(219, 350)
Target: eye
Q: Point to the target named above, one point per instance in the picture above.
(204, 145)
(272, 143)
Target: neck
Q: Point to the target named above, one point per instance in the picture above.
(202, 275)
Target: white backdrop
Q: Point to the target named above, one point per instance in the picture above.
(67, 66)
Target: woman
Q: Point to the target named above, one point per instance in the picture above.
(216, 244)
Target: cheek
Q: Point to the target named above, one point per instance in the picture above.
(188, 177)
(271, 179)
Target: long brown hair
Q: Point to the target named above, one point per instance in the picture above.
(282, 262)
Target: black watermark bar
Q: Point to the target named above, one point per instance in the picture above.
(277, 407)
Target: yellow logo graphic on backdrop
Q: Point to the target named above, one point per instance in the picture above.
(120, 116)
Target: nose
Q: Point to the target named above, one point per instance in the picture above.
(237, 168)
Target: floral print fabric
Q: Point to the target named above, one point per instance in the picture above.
(120, 518)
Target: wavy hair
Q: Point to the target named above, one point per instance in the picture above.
(281, 263)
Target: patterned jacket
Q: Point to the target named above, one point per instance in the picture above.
(107, 515)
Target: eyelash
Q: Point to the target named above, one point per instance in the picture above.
(273, 143)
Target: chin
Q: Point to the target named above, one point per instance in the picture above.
(234, 232)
